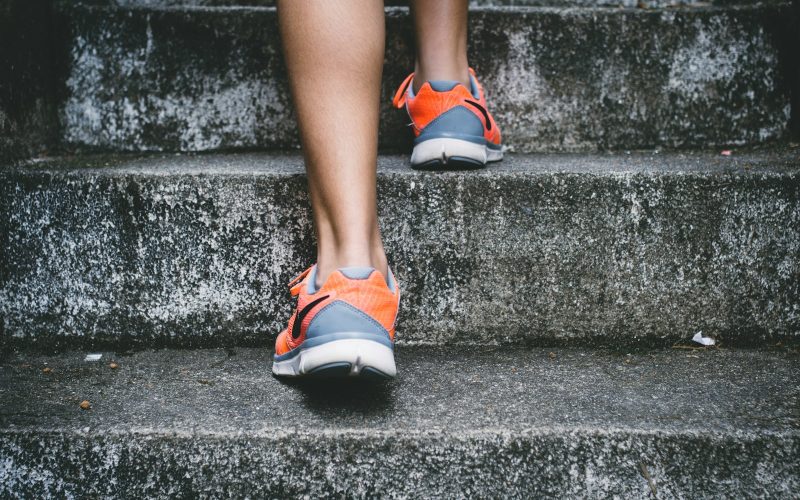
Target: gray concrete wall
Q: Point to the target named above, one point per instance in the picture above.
(557, 79)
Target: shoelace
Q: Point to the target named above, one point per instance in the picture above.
(296, 284)
(399, 99)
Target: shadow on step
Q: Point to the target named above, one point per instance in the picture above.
(332, 397)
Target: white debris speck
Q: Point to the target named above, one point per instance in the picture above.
(698, 337)
(93, 357)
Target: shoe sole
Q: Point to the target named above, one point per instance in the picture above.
(340, 358)
(452, 154)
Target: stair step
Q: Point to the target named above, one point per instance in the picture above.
(548, 249)
(472, 3)
(558, 79)
(455, 423)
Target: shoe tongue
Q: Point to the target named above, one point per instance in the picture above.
(312, 281)
(473, 88)
(443, 85)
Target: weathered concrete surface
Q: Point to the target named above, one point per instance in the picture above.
(615, 249)
(473, 3)
(27, 102)
(196, 79)
(456, 423)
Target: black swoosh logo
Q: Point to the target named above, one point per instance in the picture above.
(482, 110)
(298, 320)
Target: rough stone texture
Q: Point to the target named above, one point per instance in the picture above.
(504, 423)
(205, 78)
(544, 249)
(473, 3)
(27, 103)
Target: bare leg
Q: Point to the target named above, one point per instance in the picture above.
(334, 55)
(441, 38)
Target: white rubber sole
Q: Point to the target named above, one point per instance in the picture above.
(446, 151)
(337, 358)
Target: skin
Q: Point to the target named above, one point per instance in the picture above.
(441, 41)
(334, 53)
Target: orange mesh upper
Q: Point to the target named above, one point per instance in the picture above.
(370, 295)
(428, 104)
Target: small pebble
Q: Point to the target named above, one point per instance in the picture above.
(85, 405)
(552, 355)
(113, 365)
(47, 370)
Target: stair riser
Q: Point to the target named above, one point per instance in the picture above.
(27, 110)
(510, 465)
(558, 80)
(542, 258)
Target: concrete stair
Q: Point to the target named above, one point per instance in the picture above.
(543, 344)
(558, 79)
(590, 249)
(404, 3)
(503, 422)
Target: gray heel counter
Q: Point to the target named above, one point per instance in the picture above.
(455, 122)
(339, 316)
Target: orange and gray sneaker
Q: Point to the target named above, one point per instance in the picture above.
(452, 126)
(343, 328)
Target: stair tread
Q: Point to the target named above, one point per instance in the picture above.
(462, 422)
(473, 5)
(780, 158)
(451, 391)
(403, 10)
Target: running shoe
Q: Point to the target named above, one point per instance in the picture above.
(343, 328)
(452, 126)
